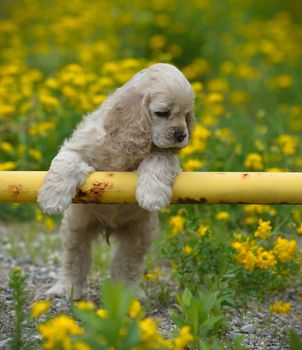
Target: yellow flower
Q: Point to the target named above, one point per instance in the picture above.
(285, 249)
(39, 216)
(51, 83)
(198, 67)
(288, 144)
(280, 307)
(245, 252)
(98, 99)
(152, 276)
(196, 146)
(6, 147)
(245, 71)
(187, 249)
(148, 329)
(69, 92)
(297, 214)
(214, 97)
(35, 153)
(202, 230)
(49, 101)
(264, 229)
(85, 305)
(249, 260)
(253, 208)
(254, 161)
(177, 224)
(197, 87)
(218, 85)
(224, 134)
(274, 170)
(201, 132)
(7, 166)
(299, 230)
(283, 81)
(49, 224)
(40, 307)
(17, 270)
(80, 345)
(222, 215)
(102, 313)
(209, 119)
(135, 309)
(157, 42)
(250, 220)
(7, 110)
(56, 332)
(184, 339)
(193, 164)
(41, 128)
(259, 209)
(265, 259)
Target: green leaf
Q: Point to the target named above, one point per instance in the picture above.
(186, 297)
(210, 324)
(208, 300)
(295, 340)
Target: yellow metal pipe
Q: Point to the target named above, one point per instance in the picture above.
(189, 187)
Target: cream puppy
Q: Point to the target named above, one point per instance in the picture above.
(140, 127)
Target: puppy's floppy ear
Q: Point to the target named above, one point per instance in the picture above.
(128, 121)
(190, 120)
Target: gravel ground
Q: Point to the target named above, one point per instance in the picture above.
(261, 330)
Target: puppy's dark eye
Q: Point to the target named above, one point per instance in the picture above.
(163, 114)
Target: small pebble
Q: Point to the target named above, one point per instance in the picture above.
(274, 347)
(4, 343)
(248, 328)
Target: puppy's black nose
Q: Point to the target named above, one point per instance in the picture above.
(179, 136)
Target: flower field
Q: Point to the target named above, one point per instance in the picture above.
(60, 60)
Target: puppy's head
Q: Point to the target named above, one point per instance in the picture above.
(170, 106)
(154, 108)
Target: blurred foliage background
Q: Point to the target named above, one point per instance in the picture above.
(60, 59)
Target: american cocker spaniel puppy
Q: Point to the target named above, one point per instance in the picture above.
(140, 127)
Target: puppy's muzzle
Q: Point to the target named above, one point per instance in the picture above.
(179, 136)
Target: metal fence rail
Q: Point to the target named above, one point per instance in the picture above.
(189, 187)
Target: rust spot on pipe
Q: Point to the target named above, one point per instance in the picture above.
(94, 194)
(98, 187)
(230, 202)
(188, 200)
(15, 189)
(110, 174)
(245, 176)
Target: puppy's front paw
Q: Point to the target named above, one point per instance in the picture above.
(53, 199)
(153, 198)
(65, 290)
(139, 294)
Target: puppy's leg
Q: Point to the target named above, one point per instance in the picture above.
(157, 173)
(133, 243)
(78, 229)
(67, 172)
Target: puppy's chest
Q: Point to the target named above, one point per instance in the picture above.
(116, 215)
(115, 161)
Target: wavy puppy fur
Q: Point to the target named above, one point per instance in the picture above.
(140, 127)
